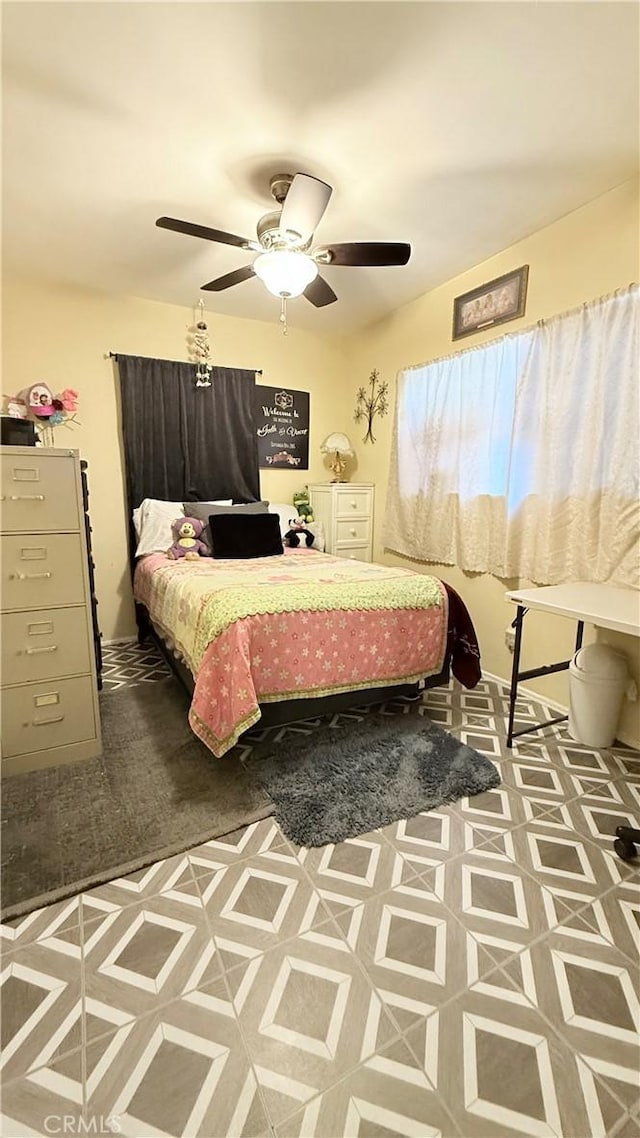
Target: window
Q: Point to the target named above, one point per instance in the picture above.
(520, 458)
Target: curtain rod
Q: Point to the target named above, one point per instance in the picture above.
(114, 356)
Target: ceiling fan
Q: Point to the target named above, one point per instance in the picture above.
(286, 263)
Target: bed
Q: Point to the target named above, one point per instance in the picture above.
(267, 638)
(300, 631)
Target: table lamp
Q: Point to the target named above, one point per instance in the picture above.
(338, 445)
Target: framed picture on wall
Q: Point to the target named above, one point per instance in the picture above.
(282, 428)
(493, 303)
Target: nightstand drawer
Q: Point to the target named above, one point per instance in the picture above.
(38, 571)
(38, 717)
(37, 645)
(353, 502)
(38, 493)
(353, 552)
(353, 530)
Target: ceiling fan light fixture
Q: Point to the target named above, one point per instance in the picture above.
(284, 272)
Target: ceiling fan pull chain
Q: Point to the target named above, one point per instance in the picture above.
(283, 316)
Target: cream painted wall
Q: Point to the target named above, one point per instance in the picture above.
(61, 335)
(586, 254)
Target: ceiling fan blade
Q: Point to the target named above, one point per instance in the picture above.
(304, 205)
(367, 253)
(193, 230)
(229, 279)
(320, 293)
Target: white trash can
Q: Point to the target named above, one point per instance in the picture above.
(598, 678)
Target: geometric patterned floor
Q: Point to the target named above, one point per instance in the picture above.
(128, 664)
(472, 971)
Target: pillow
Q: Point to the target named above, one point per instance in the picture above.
(205, 510)
(284, 512)
(152, 521)
(245, 535)
(157, 505)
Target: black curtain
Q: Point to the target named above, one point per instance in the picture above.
(187, 443)
(221, 455)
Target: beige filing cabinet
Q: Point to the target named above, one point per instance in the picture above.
(346, 512)
(48, 685)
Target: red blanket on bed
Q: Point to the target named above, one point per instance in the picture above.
(462, 643)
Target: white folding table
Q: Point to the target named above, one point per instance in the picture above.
(604, 606)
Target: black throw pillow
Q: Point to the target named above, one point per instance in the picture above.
(245, 535)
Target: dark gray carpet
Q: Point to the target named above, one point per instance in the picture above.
(156, 791)
(343, 781)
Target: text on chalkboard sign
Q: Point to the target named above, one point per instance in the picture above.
(282, 427)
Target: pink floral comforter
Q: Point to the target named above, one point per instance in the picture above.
(290, 627)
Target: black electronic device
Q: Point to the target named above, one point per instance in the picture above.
(17, 432)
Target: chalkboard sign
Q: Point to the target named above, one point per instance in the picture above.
(282, 427)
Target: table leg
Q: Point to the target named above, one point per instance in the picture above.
(515, 671)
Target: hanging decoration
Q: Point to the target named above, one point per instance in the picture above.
(371, 403)
(200, 348)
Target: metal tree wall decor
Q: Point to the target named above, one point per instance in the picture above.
(370, 403)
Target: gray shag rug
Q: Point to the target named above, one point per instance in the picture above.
(155, 791)
(343, 781)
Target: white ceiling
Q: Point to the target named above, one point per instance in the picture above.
(460, 127)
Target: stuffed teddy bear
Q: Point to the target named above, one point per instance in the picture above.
(186, 543)
(298, 528)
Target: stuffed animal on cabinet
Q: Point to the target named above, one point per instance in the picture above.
(297, 530)
(186, 540)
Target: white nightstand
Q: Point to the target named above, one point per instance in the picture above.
(346, 512)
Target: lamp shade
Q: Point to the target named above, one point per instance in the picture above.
(285, 272)
(336, 442)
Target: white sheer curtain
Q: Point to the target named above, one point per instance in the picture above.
(521, 458)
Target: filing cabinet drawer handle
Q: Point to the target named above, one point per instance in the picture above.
(45, 722)
(352, 531)
(26, 497)
(31, 576)
(36, 651)
(354, 505)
